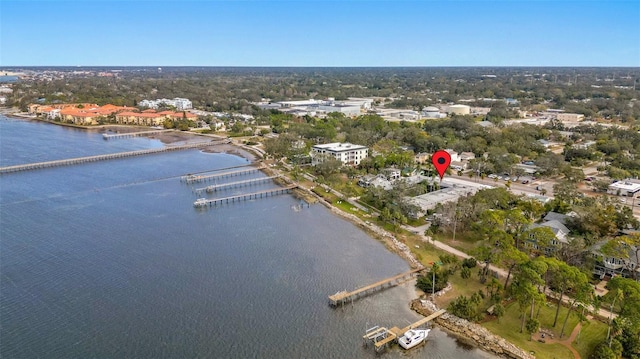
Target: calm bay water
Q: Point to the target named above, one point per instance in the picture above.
(111, 260)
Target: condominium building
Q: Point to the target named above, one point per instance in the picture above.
(179, 103)
(347, 153)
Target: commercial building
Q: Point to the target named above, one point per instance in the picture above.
(624, 188)
(432, 112)
(346, 153)
(347, 110)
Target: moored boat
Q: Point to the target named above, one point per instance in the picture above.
(413, 337)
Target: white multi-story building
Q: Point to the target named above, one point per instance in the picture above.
(180, 104)
(624, 188)
(347, 153)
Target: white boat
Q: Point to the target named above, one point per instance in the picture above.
(413, 337)
(200, 202)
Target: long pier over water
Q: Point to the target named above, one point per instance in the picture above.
(188, 179)
(109, 136)
(213, 188)
(203, 202)
(345, 297)
(79, 160)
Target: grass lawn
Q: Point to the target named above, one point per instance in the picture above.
(464, 287)
(327, 195)
(464, 241)
(593, 332)
(509, 328)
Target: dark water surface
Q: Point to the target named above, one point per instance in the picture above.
(111, 260)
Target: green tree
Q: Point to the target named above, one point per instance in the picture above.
(525, 289)
(464, 307)
(582, 292)
(511, 258)
(602, 351)
(498, 311)
(567, 192)
(532, 326)
(425, 283)
(564, 279)
(465, 273)
(328, 166)
(168, 124)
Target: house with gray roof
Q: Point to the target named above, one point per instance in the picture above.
(608, 265)
(555, 222)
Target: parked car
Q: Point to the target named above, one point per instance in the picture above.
(525, 181)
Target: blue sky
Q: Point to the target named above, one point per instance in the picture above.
(320, 33)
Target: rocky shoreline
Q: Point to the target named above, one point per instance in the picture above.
(471, 332)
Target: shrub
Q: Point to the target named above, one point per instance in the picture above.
(465, 308)
(469, 263)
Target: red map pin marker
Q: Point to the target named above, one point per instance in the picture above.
(441, 160)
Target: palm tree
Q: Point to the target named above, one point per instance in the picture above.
(617, 295)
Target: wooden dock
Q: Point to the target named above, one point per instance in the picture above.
(345, 297)
(109, 136)
(382, 337)
(79, 160)
(188, 179)
(203, 202)
(214, 188)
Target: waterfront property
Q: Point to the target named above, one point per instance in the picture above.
(87, 114)
(346, 153)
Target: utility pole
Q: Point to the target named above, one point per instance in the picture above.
(433, 288)
(455, 222)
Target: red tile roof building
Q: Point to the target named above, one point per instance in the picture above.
(90, 114)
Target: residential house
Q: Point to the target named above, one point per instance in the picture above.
(556, 223)
(391, 174)
(455, 157)
(375, 181)
(609, 265)
(584, 145)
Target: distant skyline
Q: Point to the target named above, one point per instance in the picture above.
(320, 33)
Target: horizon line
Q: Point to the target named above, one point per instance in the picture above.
(330, 66)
